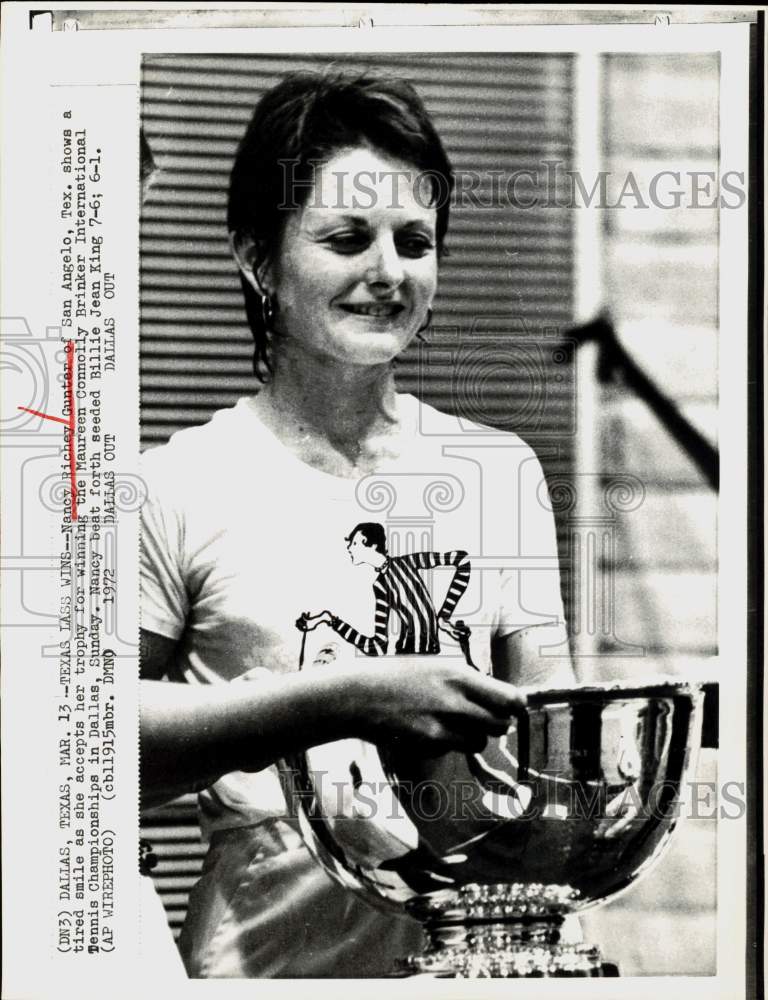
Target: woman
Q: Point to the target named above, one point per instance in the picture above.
(338, 210)
(399, 590)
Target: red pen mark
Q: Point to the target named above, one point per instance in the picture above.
(70, 422)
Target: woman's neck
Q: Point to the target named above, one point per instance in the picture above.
(341, 418)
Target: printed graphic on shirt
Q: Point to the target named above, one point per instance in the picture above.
(399, 589)
(378, 821)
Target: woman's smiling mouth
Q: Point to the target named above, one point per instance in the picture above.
(377, 309)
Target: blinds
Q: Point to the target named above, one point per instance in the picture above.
(506, 288)
(174, 835)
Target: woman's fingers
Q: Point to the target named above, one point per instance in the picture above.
(461, 742)
(469, 737)
(497, 696)
(437, 704)
(442, 739)
(464, 727)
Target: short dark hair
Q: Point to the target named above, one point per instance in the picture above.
(304, 121)
(373, 535)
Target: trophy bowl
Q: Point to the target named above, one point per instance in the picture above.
(492, 851)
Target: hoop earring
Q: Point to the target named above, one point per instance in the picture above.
(268, 302)
(268, 311)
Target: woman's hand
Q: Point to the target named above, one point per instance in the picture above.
(308, 622)
(193, 734)
(451, 629)
(436, 705)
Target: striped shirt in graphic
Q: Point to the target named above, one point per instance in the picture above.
(399, 588)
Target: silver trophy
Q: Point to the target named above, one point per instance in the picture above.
(492, 851)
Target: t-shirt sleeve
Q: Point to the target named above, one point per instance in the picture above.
(530, 591)
(164, 600)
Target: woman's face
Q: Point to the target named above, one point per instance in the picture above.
(356, 270)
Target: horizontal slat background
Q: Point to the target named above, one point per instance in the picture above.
(506, 288)
(174, 834)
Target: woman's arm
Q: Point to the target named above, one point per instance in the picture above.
(462, 570)
(192, 735)
(371, 645)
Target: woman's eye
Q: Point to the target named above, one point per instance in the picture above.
(415, 246)
(347, 242)
(350, 243)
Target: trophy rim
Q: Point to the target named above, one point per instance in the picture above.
(658, 687)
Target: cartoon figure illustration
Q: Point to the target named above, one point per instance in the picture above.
(399, 588)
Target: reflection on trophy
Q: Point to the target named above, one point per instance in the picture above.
(492, 851)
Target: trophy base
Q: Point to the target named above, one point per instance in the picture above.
(500, 932)
(510, 962)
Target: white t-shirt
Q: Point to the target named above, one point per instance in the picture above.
(240, 537)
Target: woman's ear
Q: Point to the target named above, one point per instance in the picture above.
(252, 263)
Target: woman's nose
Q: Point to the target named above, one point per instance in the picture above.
(385, 266)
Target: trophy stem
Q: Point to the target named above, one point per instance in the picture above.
(490, 943)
